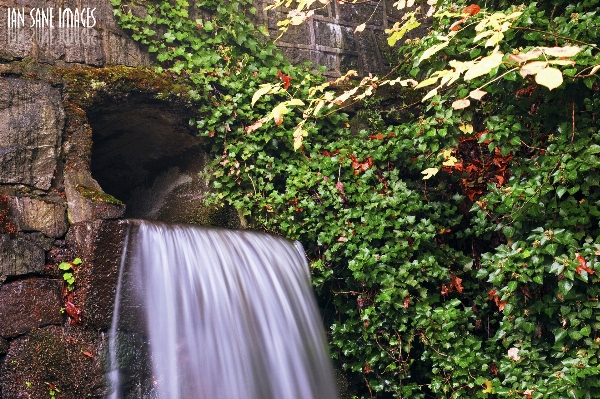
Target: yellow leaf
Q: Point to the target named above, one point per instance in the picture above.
(549, 77)
(488, 387)
(514, 15)
(297, 19)
(427, 82)
(495, 39)
(594, 69)
(320, 104)
(295, 101)
(450, 161)
(366, 93)
(430, 94)
(278, 113)
(264, 89)
(567, 51)
(403, 82)
(484, 66)
(482, 25)
(360, 27)
(466, 129)
(482, 35)
(256, 125)
(400, 4)
(429, 172)
(343, 97)
(525, 56)
(450, 78)
(432, 50)
(533, 67)
(477, 94)
(561, 62)
(460, 104)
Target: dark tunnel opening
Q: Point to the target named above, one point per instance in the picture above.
(145, 154)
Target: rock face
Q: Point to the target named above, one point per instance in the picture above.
(19, 257)
(29, 304)
(54, 358)
(32, 120)
(36, 215)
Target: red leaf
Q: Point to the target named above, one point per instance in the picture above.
(582, 264)
(494, 368)
(445, 289)
(286, 79)
(340, 187)
(491, 294)
(88, 354)
(456, 25)
(406, 302)
(456, 283)
(525, 291)
(473, 9)
(501, 305)
(73, 311)
(377, 137)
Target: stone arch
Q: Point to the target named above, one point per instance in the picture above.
(130, 151)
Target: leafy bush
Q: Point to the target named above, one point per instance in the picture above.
(454, 248)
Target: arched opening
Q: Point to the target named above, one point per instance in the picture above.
(145, 154)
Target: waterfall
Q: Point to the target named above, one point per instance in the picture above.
(228, 315)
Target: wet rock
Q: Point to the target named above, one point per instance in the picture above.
(32, 119)
(86, 200)
(19, 256)
(3, 346)
(37, 215)
(60, 357)
(99, 244)
(29, 304)
(134, 366)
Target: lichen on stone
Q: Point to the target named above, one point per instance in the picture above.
(97, 195)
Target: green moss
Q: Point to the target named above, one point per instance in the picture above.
(97, 195)
(88, 85)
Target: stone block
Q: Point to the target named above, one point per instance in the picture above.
(331, 61)
(100, 245)
(31, 123)
(32, 214)
(86, 201)
(370, 58)
(122, 50)
(349, 62)
(362, 13)
(396, 14)
(4, 345)
(19, 256)
(29, 304)
(336, 36)
(69, 359)
(298, 56)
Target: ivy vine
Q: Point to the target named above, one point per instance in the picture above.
(478, 281)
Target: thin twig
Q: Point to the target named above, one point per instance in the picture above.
(555, 35)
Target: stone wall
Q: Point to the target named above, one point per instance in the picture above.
(328, 38)
(60, 149)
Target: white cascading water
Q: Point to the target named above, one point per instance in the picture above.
(230, 315)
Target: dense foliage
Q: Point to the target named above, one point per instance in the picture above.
(478, 281)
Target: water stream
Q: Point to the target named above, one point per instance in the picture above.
(228, 315)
